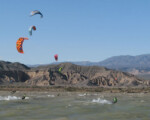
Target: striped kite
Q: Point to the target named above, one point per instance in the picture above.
(36, 12)
(31, 28)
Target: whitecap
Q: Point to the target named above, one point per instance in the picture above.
(51, 95)
(82, 94)
(102, 101)
(9, 98)
(27, 98)
(69, 105)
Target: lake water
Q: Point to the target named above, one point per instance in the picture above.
(74, 106)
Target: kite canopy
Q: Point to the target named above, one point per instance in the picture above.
(60, 69)
(36, 12)
(56, 57)
(31, 28)
(19, 44)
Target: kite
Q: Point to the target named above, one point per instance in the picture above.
(19, 44)
(36, 12)
(56, 57)
(31, 28)
(60, 69)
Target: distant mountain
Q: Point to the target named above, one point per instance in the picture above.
(139, 64)
(127, 63)
(122, 62)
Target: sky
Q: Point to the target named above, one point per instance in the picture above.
(76, 30)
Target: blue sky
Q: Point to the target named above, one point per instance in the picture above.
(76, 30)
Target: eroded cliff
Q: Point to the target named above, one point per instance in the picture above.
(70, 74)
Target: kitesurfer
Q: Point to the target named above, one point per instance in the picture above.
(23, 97)
(115, 100)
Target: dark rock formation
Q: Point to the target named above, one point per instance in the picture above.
(12, 66)
(13, 76)
(12, 72)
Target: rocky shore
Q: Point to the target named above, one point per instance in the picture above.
(76, 89)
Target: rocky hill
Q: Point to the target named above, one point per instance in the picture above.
(71, 74)
(12, 72)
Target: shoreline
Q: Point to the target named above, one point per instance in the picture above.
(77, 89)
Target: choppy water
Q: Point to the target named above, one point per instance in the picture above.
(74, 106)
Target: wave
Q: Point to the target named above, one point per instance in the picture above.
(142, 101)
(82, 94)
(102, 101)
(9, 98)
(27, 98)
(51, 95)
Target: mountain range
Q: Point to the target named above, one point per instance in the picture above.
(70, 75)
(137, 65)
(125, 63)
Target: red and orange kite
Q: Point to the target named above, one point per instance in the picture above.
(19, 44)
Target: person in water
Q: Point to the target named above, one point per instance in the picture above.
(115, 100)
(23, 97)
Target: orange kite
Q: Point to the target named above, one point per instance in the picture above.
(19, 44)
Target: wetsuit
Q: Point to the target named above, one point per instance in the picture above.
(23, 97)
(115, 100)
